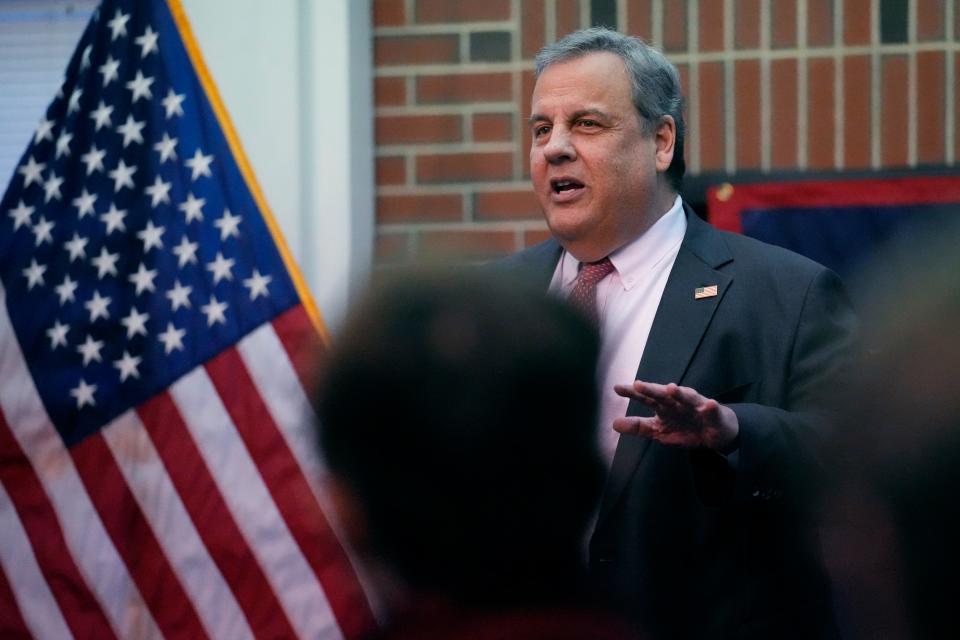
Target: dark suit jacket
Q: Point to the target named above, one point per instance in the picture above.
(692, 543)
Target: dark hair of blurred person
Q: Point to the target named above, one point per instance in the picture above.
(894, 522)
(449, 469)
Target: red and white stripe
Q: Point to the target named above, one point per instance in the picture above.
(197, 514)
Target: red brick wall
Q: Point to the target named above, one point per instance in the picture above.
(771, 85)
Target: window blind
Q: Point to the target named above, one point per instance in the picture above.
(37, 38)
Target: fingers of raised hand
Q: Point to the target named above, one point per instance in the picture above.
(633, 426)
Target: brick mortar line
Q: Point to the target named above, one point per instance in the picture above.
(730, 79)
(693, 27)
(550, 20)
(463, 109)
(450, 68)
(803, 98)
(454, 188)
(876, 96)
(444, 28)
(838, 89)
(950, 124)
(399, 227)
(516, 84)
(765, 112)
(441, 148)
(912, 94)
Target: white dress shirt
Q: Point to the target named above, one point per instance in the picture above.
(627, 301)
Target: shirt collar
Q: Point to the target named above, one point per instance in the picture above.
(643, 253)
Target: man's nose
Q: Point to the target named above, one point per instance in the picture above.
(559, 147)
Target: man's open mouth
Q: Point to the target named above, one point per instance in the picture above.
(565, 184)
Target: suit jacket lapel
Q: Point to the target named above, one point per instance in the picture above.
(534, 266)
(677, 329)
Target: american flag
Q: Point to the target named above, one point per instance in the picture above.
(156, 472)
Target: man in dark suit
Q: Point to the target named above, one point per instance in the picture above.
(702, 529)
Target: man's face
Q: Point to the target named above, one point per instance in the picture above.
(598, 177)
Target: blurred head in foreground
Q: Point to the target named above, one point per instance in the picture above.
(451, 468)
(896, 517)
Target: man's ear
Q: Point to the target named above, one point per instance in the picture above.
(348, 511)
(665, 137)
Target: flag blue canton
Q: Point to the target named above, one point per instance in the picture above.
(131, 249)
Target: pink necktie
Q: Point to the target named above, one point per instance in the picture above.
(584, 293)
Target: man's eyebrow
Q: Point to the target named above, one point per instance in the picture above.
(576, 115)
(590, 112)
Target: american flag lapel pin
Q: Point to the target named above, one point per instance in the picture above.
(705, 292)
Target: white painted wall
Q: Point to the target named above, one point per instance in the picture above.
(295, 76)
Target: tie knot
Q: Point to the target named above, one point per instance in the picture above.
(594, 272)
(584, 293)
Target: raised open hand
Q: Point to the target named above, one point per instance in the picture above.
(682, 417)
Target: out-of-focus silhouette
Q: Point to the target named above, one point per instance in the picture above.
(893, 521)
(467, 494)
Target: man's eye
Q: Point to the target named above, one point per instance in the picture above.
(589, 124)
(540, 130)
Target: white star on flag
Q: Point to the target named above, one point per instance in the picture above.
(127, 365)
(166, 148)
(122, 176)
(51, 188)
(150, 235)
(84, 203)
(109, 69)
(90, 350)
(179, 296)
(85, 58)
(118, 26)
(21, 215)
(97, 306)
(83, 392)
(113, 219)
(221, 267)
(66, 289)
(159, 191)
(186, 252)
(143, 279)
(58, 334)
(93, 159)
(200, 165)
(140, 87)
(131, 131)
(193, 207)
(42, 231)
(172, 103)
(135, 322)
(77, 247)
(106, 263)
(257, 284)
(74, 104)
(34, 274)
(101, 116)
(172, 338)
(214, 310)
(44, 131)
(63, 144)
(31, 171)
(147, 42)
(228, 224)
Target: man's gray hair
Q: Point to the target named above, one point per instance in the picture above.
(655, 81)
